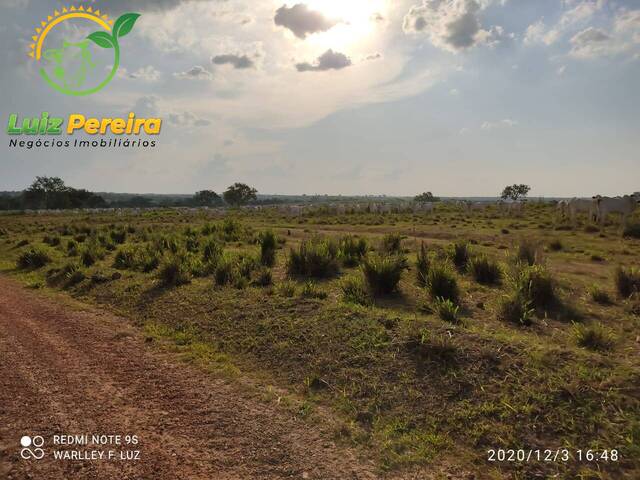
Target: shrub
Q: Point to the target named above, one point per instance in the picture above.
(459, 254)
(632, 230)
(246, 265)
(192, 244)
(352, 250)
(593, 337)
(422, 266)
(72, 248)
(392, 243)
(311, 290)
(485, 271)
(555, 245)
(73, 274)
(33, 258)
(382, 272)
(167, 242)
(148, 259)
(51, 241)
(286, 288)
(314, 258)
(516, 309)
(599, 295)
(528, 253)
(174, 271)
(268, 245)
(627, 281)
(225, 271)
(355, 291)
(212, 252)
(118, 236)
(447, 310)
(442, 283)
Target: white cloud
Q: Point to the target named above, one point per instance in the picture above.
(196, 72)
(146, 74)
(329, 60)
(505, 123)
(302, 21)
(239, 62)
(577, 14)
(452, 25)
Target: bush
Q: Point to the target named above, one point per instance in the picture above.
(352, 250)
(225, 271)
(264, 277)
(528, 253)
(442, 283)
(268, 245)
(632, 230)
(599, 295)
(33, 258)
(485, 271)
(459, 254)
(447, 310)
(536, 286)
(118, 236)
(392, 243)
(72, 248)
(72, 274)
(314, 258)
(516, 309)
(174, 271)
(211, 253)
(593, 337)
(246, 265)
(51, 241)
(627, 281)
(126, 258)
(311, 290)
(91, 253)
(422, 266)
(382, 272)
(169, 243)
(355, 291)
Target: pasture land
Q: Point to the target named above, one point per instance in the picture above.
(431, 338)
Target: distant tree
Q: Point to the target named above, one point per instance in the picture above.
(239, 194)
(46, 192)
(515, 192)
(426, 197)
(207, 198)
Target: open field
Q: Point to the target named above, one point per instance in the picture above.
(527, 335)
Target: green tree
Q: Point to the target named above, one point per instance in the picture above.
(515, 192)
(426, 197)
(239, 194)
(207, 198)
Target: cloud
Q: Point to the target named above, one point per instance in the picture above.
(196, 72)
(302, 21)
(140, 5)
(505, 123)
(238, 62)
(329, 60)
(578, 15)
(187, 119)
(452, 25)
(146, 74)
(591, 42)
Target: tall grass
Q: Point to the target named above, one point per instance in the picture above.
(627, 281)
(352, 249)
(423, 263)
(33, 258)
(485, 271)
(268, 245)
(314, 258)
(442, 283)
(383, 272)
(392, 243)
(459, 254)
(355, 291)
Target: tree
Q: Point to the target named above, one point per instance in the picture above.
(207, 198)
(426, 197)
(52, 193)
(239, 194)
(515, 192)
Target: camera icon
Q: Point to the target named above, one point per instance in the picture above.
(32, 447)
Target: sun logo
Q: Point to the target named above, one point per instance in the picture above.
(70, 65)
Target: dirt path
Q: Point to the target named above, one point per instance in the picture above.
(69, 372)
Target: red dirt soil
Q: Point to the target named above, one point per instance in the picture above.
(64, 371)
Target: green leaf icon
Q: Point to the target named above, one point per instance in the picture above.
(124, 24)
(102, 39)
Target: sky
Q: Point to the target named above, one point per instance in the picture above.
(351, 97)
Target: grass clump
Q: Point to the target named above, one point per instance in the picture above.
(311, 290)
(355, 291)
(447, 310)
(485, 271)
(286, 289)
(314, 258)
(514, 308)
(225, 272)
(555, 245)
(174, 271)
(33, 259)
(599, 295)
(126, 258)
(392, 243)
(268, 245)
(352, 250)
(459, 253)
(423, 263)
(118, 236)
(528, 253)
(52, 241)
(627, 281)
(536, 286)
(91, 253)
(264, 277)
(383, 272)
(442, 283)
(593, 337)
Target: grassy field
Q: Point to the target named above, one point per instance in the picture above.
(431, 338)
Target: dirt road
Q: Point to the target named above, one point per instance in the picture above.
(66, 372)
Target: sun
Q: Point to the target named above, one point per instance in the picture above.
(356, 20)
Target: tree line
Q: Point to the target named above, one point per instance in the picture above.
(51, 193)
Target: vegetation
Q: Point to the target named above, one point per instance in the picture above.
(33, 258)
(485, 271)
(515, 192)
(316, 258)
(627, 281)
(423, 262)
(382, 272)
(442, 283)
